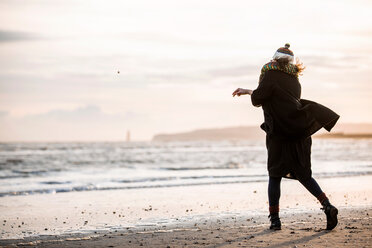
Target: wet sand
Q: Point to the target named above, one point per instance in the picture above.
(229, 215)
(299, 230)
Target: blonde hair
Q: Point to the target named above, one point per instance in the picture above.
(282, 62)
(300, 66)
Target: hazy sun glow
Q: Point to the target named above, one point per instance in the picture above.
(178, 63)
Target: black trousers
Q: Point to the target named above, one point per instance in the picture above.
(274, 189)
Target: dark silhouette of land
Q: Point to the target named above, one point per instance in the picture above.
(345, 135)
(342, 130)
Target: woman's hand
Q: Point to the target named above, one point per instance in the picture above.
(240, 91)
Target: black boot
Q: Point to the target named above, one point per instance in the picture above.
(331, 212)
(275, 222)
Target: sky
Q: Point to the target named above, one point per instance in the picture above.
(73, 70)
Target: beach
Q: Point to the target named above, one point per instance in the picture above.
(157, 123)
(228, 215)
(177, 195)
(355, 232)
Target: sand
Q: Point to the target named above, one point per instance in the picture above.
(299, 230)
(229, 215)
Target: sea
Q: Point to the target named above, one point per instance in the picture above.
(53, 168)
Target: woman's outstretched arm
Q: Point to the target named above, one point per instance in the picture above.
(240, 91)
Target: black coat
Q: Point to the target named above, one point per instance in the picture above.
(289, 124)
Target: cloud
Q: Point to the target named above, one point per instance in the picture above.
(363, 33)
(155, 37)
(236, 71)
(206, 75)
(11, 36)
(80, 114)
(335, 62)
(87, 123)
(3, 114)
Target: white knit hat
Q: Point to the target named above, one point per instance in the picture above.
(284, 52)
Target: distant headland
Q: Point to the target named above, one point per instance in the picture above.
(342, 130)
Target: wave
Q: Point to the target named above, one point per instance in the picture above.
(194, 182)
(55, 182)
(219, 167)
(154, 179)
(14, 161)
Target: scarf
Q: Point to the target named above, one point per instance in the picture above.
(290, 69)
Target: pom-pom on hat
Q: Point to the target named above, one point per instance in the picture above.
(284, 52)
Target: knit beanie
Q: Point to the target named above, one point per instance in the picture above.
(284, 52)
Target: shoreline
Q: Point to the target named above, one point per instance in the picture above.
(244, 180)
(155, 212)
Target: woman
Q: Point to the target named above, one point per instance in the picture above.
(289, 124)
